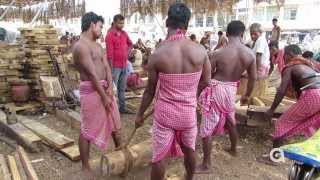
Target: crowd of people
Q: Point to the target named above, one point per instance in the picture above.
(183, 75)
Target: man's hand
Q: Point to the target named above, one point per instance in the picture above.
(110, 92)
(269, 114)
(244, 100)
(139, 121)
(107, 103)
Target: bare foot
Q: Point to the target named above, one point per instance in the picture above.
(232, 152)
(88, 174)
(202, 169)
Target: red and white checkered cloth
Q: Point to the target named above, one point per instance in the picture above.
(175, 120)
(217, 103)
(302, 117)
(96, 124)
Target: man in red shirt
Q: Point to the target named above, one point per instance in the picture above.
(118, 46)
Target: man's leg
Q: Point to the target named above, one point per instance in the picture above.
(157, 171)
(233, 135)
(189, 161)
(84, 148)
(122, 84)
(116, 136)
(205, 167)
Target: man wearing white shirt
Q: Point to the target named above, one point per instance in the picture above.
(261, 49)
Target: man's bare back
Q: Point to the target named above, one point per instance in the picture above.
(93, 52)
(228, 64)
(179, 57)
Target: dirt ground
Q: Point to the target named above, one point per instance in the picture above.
(51, 165)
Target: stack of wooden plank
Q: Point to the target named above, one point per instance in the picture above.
(17, 166)
(36, 42)
(11, 59)
(69, 71)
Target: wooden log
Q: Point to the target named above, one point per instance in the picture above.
(13, 168)
(52, 137)
(119, 162)
(31, 173)
(260, 88)
(257, 102)
(72, 152)
(21, 170)
(4, 170)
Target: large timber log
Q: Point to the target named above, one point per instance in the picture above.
(260, 88)
(122, 161)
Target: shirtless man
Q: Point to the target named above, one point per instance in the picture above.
(178, 64)
(218, 99)
(99, 113)
(303, 117)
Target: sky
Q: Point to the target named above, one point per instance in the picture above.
(106, 8)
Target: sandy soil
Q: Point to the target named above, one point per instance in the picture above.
(51, 165)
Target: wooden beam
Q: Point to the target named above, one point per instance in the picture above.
(31, 173)
(72, 152)
(13, 168)
(25, 137)
(4, 170)
(22, 135)
(21, 170)
(52, 137)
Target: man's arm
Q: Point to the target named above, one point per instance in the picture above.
(282, 90)
(206, 75)
(110, 48)
(258, 60)
(83, 58)
(252, 77)
(149, 91)
(278, 33)
(108, 71)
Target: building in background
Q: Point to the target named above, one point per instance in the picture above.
(293, 16)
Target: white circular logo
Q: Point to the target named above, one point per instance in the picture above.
(277, 155)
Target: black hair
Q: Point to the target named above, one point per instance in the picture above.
(192, 36)
(220, 33)
(275, 19)
(178, 16)
(89, 18)
(118, 17)
(307, 54)
(294, 49)
(235, 28)
(274, 44)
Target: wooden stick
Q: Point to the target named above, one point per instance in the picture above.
(13, 168)
(27, 164)
(135, 129)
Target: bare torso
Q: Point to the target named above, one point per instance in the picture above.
(299, 80)
(179, 57)
(229, 63)
(96, 54)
